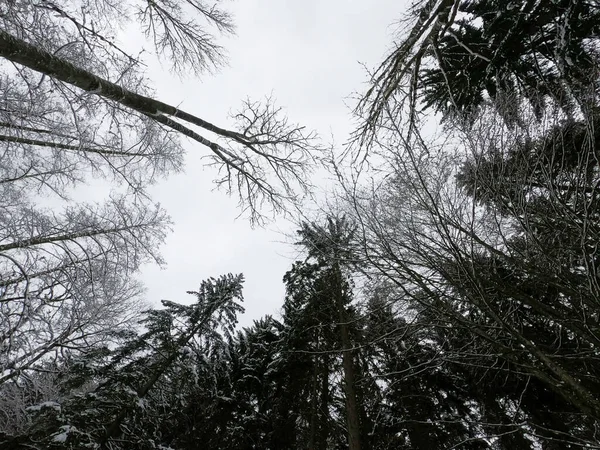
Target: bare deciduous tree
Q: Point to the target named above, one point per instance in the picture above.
(64, 55)
(69, 278)
(75, 104)
(492, 231)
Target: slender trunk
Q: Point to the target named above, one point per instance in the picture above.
(352, 414)
(51, 239)
(76, 148)
(324, 405)
(314, 405)
(21, 52)
(366, 425)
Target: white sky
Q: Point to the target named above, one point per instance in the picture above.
(308, 55)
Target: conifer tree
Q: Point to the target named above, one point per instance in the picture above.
(125, 397)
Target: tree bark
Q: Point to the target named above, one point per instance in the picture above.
(21, 52)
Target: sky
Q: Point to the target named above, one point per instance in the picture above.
(309, 55)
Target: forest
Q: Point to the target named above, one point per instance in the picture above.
(446, 291)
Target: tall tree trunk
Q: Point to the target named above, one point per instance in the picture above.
(352, 412)
(366, 424)
(28, 55)
(314, 404)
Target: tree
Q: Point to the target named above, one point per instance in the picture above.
(329, 247)
(424, 401)
(75, 105)
(310, 354)
(20, 393)
(67, 280)
(264, 418)
(488, 231)
(243, 408)
(98, 93)
(545, 188)
(458, 55)
(124, 397)
(500, 259)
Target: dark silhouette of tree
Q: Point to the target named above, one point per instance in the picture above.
(456, 55)
(120, 398)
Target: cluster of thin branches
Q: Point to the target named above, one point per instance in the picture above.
(76, 104)
(491, 231)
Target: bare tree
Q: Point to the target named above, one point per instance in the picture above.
(101, 107)
(68, 279)
(492, 231)
(74, 104)
(18, 396)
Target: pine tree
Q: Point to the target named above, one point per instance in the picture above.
(460, 54)
(310, 354)
(547, 275)
(424, 402)
(503, 50)
(329, 246)
(124, 397)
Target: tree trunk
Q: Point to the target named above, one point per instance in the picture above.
(21, 52)
(352, 413)
(314, 405)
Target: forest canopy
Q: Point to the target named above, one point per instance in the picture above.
(445, 296)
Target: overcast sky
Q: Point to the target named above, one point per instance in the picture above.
(308, 55)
